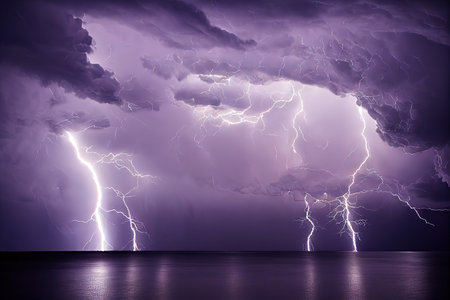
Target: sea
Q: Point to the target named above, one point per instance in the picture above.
(224, 275)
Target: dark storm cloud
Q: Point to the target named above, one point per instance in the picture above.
(139, 97)
(196, 21)
(165, 69)
(416, 76)
(400, 77)
(393, 56)
(431, 187)
(441, 163)
(396, 65)
(52, 45)
(267, 8)
(177, 23)
(312, 9)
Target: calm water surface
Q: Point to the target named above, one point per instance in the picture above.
(150, 275)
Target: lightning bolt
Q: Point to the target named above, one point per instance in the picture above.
(343, 207)
(229, 116)
(396, 190)
(96, 215)
(309, 246)
(121, 161)
(297, 130)
(224, 115)
(134, 225)
(221, 116)
(346, 196)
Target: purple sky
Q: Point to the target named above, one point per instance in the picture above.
(225, 125)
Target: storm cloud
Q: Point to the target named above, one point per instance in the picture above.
(52, 45)
(233, 106)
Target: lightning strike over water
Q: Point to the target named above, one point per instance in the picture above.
(218, 117)
(98, 188)
(121, 161)
(289, 110)
(343, 206)
(235, 117)
(309, 246)
(346, 196)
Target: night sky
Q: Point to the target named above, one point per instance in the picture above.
(224, 125)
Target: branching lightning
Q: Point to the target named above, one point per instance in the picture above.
(96, 215)
(219, 117)
(347, 195)
(224, 115)
(343, 204)
(121, 161)
(390, 187)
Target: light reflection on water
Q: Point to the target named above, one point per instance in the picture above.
(233, 277)
(354, 278)
(310, 278)
(94, 280)
(416, 278)
(165, 276)
(131, 279)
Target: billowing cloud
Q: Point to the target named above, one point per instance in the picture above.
(236, 107)
(52, 45)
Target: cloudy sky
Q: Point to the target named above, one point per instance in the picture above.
(224, 125)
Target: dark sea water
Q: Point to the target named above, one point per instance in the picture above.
(207, 275)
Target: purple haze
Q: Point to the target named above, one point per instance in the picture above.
(236, 110)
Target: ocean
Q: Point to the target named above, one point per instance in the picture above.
(224, 275)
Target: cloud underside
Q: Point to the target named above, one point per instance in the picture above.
(393, 57)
